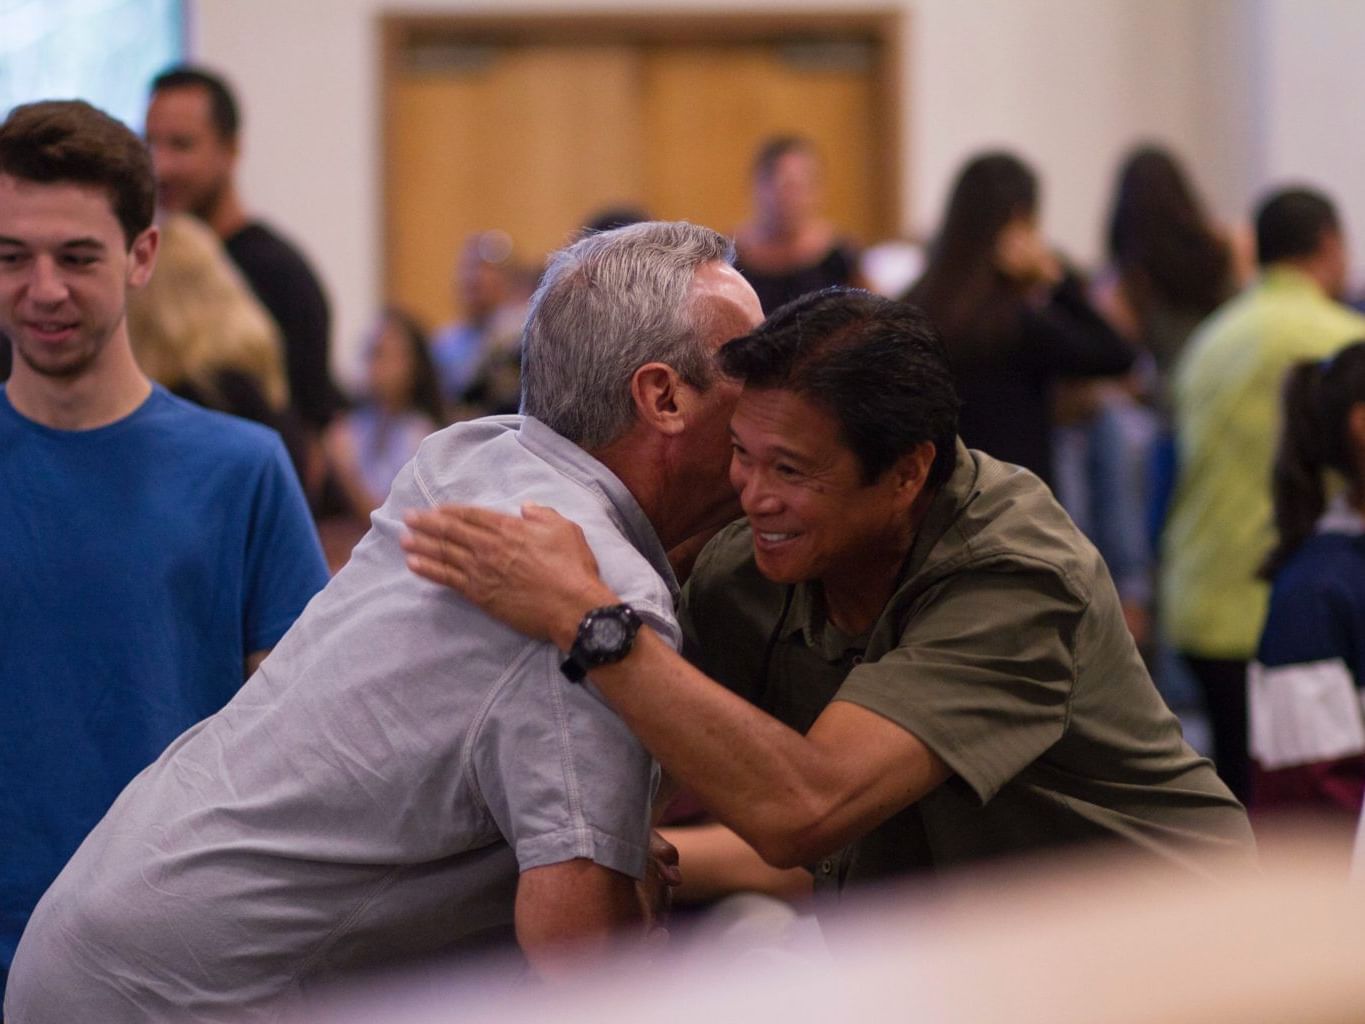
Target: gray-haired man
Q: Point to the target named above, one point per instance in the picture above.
(404, 776)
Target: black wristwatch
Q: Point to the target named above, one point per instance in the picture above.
(605, 635)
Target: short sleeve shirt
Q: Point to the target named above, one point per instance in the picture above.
(140, 564)
(287, 286)
(1004, 650)
(375, 789)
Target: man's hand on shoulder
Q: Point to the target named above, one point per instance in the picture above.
(534, 572)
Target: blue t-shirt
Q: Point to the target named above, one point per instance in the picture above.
(140, 563)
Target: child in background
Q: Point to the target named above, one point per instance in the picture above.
(1307, 728)
(370, 444)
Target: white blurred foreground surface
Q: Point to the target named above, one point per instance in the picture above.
(1072, 942)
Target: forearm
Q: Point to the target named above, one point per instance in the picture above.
(569, 914)
(758, 776)
(792, 797)
(776, 788)
(716, 862)
(1080, 341)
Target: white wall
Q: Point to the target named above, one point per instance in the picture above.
(1242, 88)
(1314, 92)
(1229, 150)
(1068, 84)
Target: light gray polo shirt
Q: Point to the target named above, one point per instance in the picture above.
(373, 792)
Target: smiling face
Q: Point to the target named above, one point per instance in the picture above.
(813, 515)
(193, 162)
(64, 275)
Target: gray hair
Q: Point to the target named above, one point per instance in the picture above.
(607, 305)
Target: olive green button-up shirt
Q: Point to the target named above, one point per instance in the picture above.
(1004, 650)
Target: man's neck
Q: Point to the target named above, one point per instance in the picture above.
(1315, 270)
(640, 468)
(228, 215)
(97, 398)
(855, 599)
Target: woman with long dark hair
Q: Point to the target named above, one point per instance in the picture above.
(1173, 266)
(1014, 319)
(1169, 268)
(1307, 729)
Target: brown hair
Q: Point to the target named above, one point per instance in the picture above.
(1160, 236)
(773, 149)
(71, 141)
(965, 294)
(222, 104)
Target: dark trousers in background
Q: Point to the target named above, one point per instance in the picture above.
(1223, 684)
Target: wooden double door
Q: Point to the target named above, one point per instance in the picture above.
(533, 126)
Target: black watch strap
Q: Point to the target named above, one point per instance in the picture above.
(605, 635)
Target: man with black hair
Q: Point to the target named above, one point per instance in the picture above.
(1227, 417)
(193, 131)
(916, 659)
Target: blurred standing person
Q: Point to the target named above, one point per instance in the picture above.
(1015, 320)
(197, 323)
(1226, 399)
(1305, 687)
(478, 359)
(1172, 266)
(367, 446)
(788, 248)
(199, 331)
(1169, 268)
(193, 129)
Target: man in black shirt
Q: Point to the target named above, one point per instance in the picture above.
(192, 132)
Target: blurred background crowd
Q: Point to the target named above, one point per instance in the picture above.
(1182, 360)
(505, 136)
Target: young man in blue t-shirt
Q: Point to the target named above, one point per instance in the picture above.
(152, 552)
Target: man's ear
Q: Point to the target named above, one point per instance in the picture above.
(657, 392)
(911, 471)
(142, 256)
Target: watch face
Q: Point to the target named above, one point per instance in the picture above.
(605, 634)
